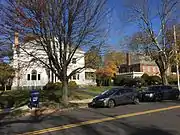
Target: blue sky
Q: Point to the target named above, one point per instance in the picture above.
(118, 28)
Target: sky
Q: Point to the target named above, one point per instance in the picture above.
(118, 29)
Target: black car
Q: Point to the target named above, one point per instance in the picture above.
(159, 93)
(115, 96)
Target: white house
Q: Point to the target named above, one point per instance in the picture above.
(34, 74)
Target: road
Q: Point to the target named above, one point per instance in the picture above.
(144, 119)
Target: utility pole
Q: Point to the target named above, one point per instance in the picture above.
(18, 54)
(176, 53)
(16, 42)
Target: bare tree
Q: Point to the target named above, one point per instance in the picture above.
(153, 19)
(56, 30)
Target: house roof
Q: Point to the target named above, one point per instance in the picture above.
(136, 58)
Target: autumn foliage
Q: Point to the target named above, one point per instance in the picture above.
(106, 73)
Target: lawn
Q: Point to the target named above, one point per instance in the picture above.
(98, 90)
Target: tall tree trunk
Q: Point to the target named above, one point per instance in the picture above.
(65, 87)
(164, 76)
(65, 92)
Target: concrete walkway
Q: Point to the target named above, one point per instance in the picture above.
(84, 101)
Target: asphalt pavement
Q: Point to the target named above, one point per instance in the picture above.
(143, 119)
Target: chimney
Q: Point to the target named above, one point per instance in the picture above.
(128, 61)
(16, 39)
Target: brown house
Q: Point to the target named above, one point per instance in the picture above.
(139, 63)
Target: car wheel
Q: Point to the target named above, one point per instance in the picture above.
(136, 100)
(111, 103)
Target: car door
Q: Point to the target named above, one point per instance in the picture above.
(167, 91)
(119, 96)
(128, 94)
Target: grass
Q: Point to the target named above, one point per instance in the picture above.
(79, 96)
(98, 90)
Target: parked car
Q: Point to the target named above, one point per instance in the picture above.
(159, 93)
(115, 96)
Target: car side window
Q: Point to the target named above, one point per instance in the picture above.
(166, 88)
(169, 87)
(118, 93)
(129, 90)
(121, 91)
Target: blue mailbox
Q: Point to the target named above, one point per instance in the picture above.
(34, 98)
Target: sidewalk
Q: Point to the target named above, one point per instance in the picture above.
(8, 110)
(84, 101)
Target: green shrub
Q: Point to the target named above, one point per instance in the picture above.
(172, 79)
(58, 85)
(118, 81)
(138, 82)
(151, 80)
(49, 86)
(127, 81)
(145, 77)
(72, 85)
(154, 80)
(53, 86)
(105, 81)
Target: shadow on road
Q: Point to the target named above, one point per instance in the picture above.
(151, 131)
(171, 101)
(116, 127)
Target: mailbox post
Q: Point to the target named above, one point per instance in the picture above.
(34, 99)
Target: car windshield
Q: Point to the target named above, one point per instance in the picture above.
(109, 92)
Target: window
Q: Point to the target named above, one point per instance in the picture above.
(110, 92)
(73, 60)
(89, 75)
(74, 77)
(78, 76)
(39, 77)
(28, 77)
(33, 75)
(128, 90)
(166, 87)
(122, 91)
(119, 92)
